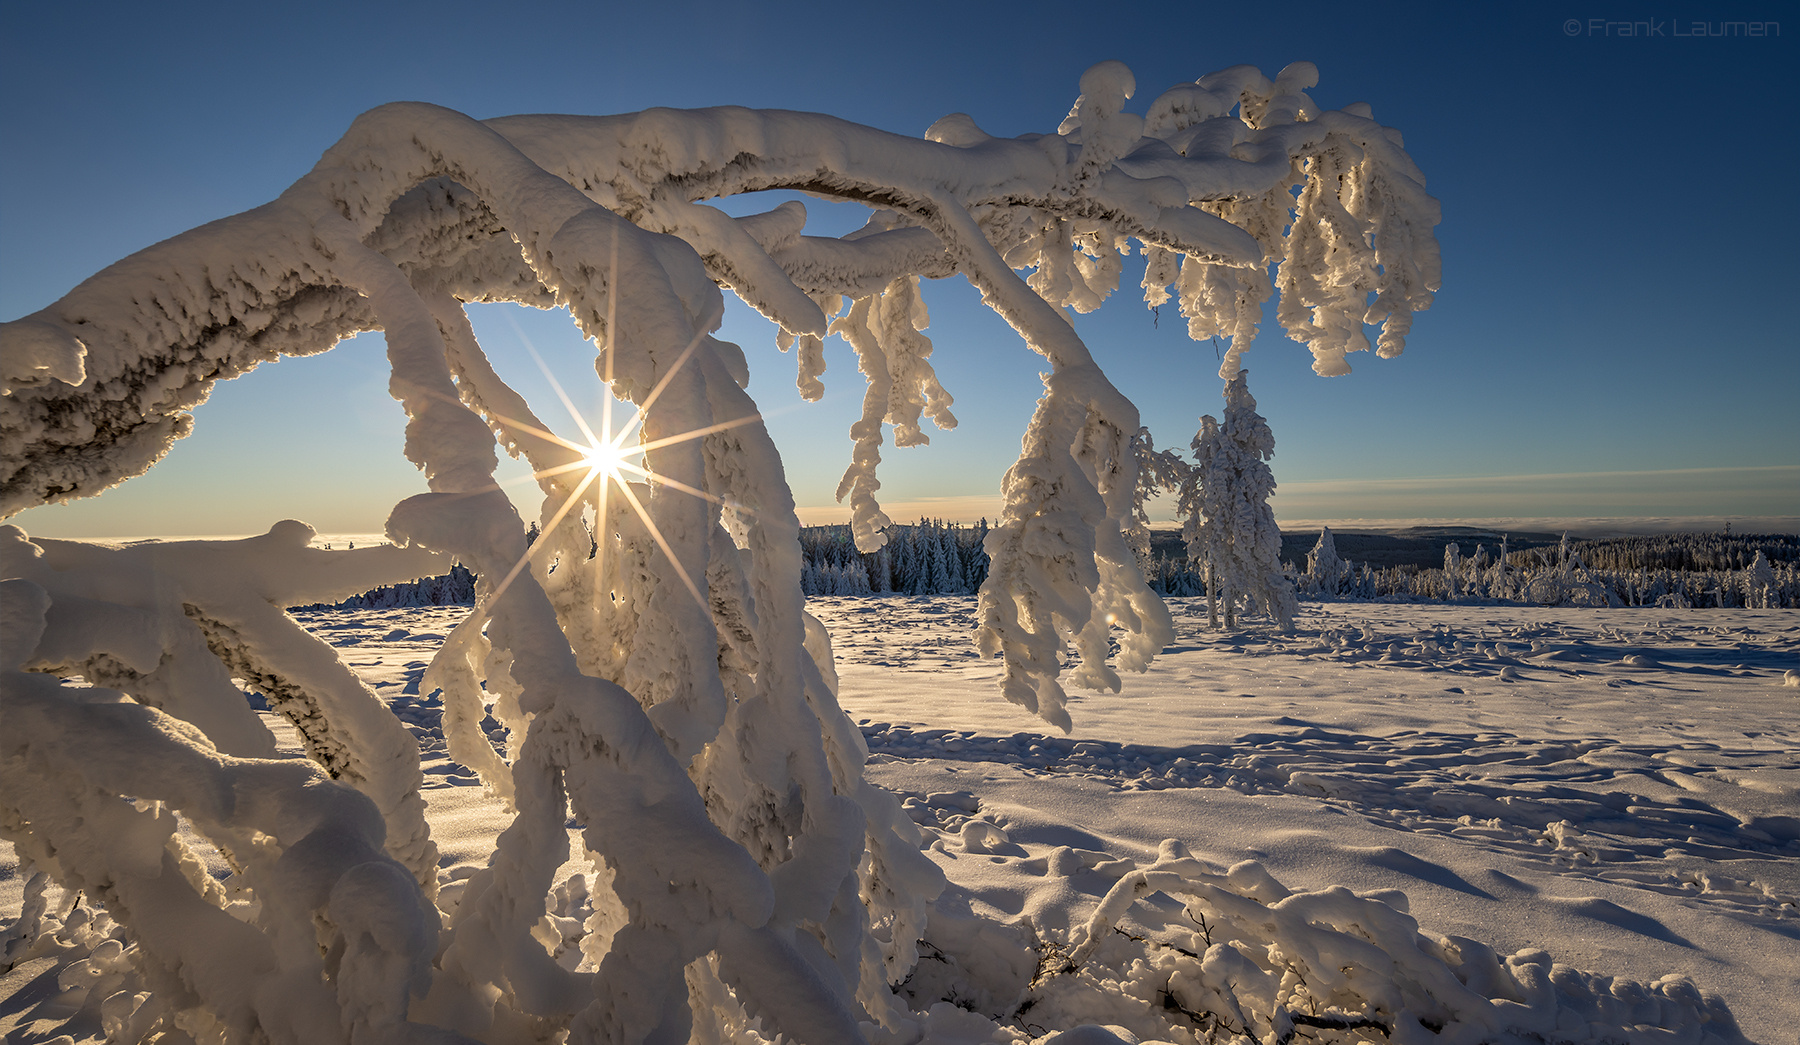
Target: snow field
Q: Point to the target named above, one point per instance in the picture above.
(1606, 791)
(1618, 788)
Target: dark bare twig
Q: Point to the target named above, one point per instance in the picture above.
(1301, 1019)
(1156, 943)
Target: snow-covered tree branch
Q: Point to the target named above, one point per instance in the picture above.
(649, 655)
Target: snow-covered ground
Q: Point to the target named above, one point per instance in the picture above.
(1619, 788)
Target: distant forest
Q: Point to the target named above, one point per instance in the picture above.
(929, 557)
(932, 557)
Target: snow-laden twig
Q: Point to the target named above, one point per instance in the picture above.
(1266, 961)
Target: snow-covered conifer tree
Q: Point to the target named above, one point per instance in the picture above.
(1478, 564)
(950, 572)
(1203, 506)
(1328, 572)
(648, 656)
(1759, 583)
(1500, 579)
(1240, 545)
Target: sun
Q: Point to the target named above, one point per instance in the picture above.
(605, 459)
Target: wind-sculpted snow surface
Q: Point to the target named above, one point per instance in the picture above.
(1660, 843)
(646, 664)
(1551, 788)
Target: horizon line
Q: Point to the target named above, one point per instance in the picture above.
(1585, 526)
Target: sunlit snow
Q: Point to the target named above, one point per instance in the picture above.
(1613, 791)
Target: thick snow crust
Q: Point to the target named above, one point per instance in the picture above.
(647, 663)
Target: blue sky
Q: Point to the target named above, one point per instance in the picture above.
(1613, 339)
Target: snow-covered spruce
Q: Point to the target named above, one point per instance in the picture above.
(653, 663)
(928, 558)
(1230, 527)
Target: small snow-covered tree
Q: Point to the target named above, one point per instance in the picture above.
(1203, 508)
(1759, 583)
(1325, 570)
(951, 579)
(648, 655)
(1235, 536)
(1502, 576)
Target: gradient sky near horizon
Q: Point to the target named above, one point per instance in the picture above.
(1613, 340)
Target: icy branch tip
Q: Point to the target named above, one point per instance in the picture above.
(1109, 78)
(35, 351)
(291, 532)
